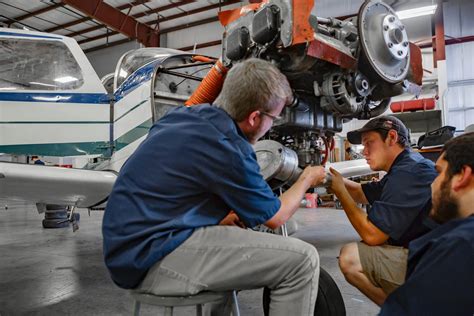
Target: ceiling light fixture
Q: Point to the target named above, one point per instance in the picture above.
(416, 12)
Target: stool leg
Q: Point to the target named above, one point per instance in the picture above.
(235, 305)
(136, 308)
(169, 311)
(284, 230)
(199, 310)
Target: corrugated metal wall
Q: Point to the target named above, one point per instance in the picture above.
(459, 98)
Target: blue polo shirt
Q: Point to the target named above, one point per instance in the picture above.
(192, 169)
(440, 274)
(401, 201)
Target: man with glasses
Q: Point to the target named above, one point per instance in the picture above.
(196, 170)
(400, 202)
(273, 117)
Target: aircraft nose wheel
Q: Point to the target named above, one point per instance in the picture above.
(329, 301)
(59, 216)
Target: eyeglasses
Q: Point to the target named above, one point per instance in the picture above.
(273, 117)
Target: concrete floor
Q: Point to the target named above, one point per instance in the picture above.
(58, 272)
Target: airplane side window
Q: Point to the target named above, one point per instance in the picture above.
(29, 64)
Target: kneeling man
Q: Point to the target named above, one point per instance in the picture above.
(401, 202)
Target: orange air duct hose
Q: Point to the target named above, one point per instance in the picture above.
(204, 59)
(210, 86)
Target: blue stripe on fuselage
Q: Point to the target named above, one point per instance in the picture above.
(28, 35)
(96, 98)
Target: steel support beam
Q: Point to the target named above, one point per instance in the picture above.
(133, 4)
(195, 11)
(66, 25)
(164, 19)
(160, 9)
(165, 7)
(87, 30)
(439, 50)
(460, 40)
(164, 31)
(78, 21)
(38, 12)
(451, 41)
(95, 38)
(115, 19)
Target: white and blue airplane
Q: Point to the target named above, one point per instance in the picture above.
(52, 103)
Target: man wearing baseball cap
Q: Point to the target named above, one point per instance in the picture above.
(401, 202)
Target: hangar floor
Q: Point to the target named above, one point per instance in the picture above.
(58, 272)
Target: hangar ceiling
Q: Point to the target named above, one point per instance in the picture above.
(97, 24)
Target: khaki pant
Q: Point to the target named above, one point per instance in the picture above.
(222, 258)
(385, 265)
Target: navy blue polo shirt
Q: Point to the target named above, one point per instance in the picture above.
(440, 274)
(193, 168)
(401, 201)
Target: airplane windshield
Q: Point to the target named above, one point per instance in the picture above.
(30, 64)
(134, 59)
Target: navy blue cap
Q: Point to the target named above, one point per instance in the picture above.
(379, 123)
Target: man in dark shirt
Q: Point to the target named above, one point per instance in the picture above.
(195, 170)
(400, 202)
(440, 274)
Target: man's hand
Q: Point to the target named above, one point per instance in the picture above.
(232, 219)
(314, 174)
(337, 182)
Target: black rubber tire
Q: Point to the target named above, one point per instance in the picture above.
(328, 303)
(55, 223)
(60, 214)
(329, 300)
(60, 223)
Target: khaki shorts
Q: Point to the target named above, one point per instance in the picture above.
(385, 265)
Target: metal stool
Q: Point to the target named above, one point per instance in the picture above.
(199, 300)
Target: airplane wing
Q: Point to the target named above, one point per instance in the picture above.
(55, 185)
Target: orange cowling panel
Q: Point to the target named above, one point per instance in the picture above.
(228, 16)
(210, 86)
(415, 74)
(321, 50)
(302, 30)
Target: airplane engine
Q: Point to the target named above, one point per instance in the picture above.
(338, 69)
